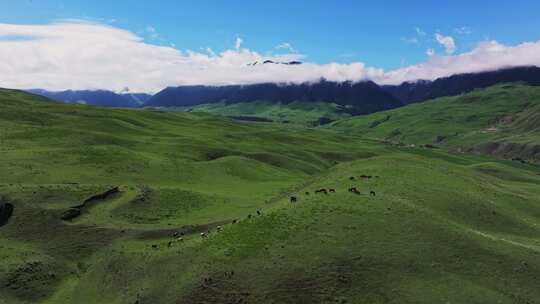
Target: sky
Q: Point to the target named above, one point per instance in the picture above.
(144, 46)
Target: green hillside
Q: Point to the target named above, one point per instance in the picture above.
(303, 113)
(438, 228)
(503, 121)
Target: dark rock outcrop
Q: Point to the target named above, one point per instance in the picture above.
(76, 211)
(6, 211)
(71, 213)
(102, 196)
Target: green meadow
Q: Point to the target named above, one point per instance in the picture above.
(454, 222)
(502, 121)
(298, 112)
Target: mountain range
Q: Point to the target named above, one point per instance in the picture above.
(363, 97)
(409, 92)
(100, 98)
(357, 98)
(360, 97)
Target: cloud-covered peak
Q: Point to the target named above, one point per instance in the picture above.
(487, 56)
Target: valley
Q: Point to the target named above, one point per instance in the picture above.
(269, 152)
(204, 210)
(297, 112)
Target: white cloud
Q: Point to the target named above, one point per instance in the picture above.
(238, 43)
(419, 31)
(285, 46)
(417, 38)
(82, 55)
(488, 55)
(348, 55)
(412, 40)
(447, 42)
(463, 30)
(152, 32)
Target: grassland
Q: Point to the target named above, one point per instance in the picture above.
(441, 227)
(302, 113)
(503, 121)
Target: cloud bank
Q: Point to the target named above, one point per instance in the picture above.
(488, 55)
(82, 55)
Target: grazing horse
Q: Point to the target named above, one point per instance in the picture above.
(372, 193)
(332, 190)
(354, 190)
(321, 191)
(351, 178)
(293, 199)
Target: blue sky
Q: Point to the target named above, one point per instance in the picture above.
(380, 33)
(145, 46)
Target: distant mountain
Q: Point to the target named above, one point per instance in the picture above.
(360, 97)
(409, 92)
(275, 62)
(100, 98)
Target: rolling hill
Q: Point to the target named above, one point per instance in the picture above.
(502, 121)
(424, 226)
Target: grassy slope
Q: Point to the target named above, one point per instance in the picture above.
(306, 113)
(503, 120)
(441, 228)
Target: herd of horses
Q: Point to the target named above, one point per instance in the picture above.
(354, 190)
(179, 236)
